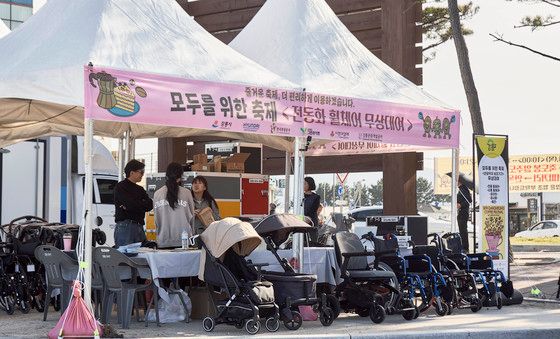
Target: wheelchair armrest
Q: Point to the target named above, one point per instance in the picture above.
(481, 256)
(358, 254)
(416, 257)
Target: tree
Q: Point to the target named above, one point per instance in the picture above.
(535, 22)
(436, 26)
(375, 193)
(424, 191)
(465, 68)
(325, 191)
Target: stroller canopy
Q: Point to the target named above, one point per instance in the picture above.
(230, 233)
(279, 226)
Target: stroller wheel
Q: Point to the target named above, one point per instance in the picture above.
(272, 324)
(252, 326)
(334, 305)
(326, 316)
(239, 325)
(389, 310)
(208, 324)
(294, 323)
(377, 314)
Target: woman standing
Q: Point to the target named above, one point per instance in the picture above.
(312, 203)
(173, 208)
(203, 199)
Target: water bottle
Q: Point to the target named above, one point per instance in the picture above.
(184, 240)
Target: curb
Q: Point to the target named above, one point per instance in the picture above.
(544, 301)
(533, 333)
(535, 248)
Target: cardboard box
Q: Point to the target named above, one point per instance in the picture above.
(200, 167)
(217, 163)
(201, 304)
(200, 159)
(236, 162)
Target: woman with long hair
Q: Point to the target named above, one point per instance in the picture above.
(203, 199)
(173, 208)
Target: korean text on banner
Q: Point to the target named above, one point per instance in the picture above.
(140, 98)
(493, 228)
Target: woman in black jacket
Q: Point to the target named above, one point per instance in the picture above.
(312, 202)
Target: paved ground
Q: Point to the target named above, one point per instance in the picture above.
(513, 319)
(530, 269)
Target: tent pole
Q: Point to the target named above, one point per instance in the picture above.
(454, 177)
(121, 160)
(127, 146)
(288, 171)
(88, 222)
(297, 243)
(70, 203)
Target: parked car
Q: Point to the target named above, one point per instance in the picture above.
(545, 228)
(360, 214)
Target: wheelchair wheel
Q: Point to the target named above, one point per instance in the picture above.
(441, 308)
(476, 305)
(326, 317)
(499, 302)
(8, 305)
(377, 314)
(272, 324)
(252, 326)
(333, 304)
(294, 323)
(412, 313)
(24, 306)
(208, 324)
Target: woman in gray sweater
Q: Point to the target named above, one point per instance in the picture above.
(202, 199)
(173, 209)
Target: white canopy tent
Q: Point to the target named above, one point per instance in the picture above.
(4, 30)
(41, 80)
(311, 47)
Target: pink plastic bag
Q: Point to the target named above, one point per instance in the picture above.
(79, 320)
(307, 313)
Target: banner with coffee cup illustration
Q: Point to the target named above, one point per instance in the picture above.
(493, 182)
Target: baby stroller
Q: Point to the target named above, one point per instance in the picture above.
(292, 289)
(420, 283)
(493, 282)
(461, 291)
(225, 243)
(364, 289)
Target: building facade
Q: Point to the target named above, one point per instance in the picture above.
(14, 12)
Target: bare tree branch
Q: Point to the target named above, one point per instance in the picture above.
(550, 3)
(433, 45)
(524, 47)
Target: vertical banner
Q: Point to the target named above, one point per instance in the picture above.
(493, 182)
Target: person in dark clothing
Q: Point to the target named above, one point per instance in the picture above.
(464, 200)
(131, 204)
(312, 203)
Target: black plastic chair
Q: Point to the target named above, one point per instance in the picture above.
(56, 263)
(120, 277)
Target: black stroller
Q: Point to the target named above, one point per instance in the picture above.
(293, 289)
(248, 299)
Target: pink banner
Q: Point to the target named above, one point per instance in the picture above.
(134, 97)
(360, 147)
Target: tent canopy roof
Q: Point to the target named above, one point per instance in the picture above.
(43, 60)
(4, 30)
(310, 46)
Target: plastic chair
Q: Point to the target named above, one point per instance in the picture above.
(56, 262)
(116, 268)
